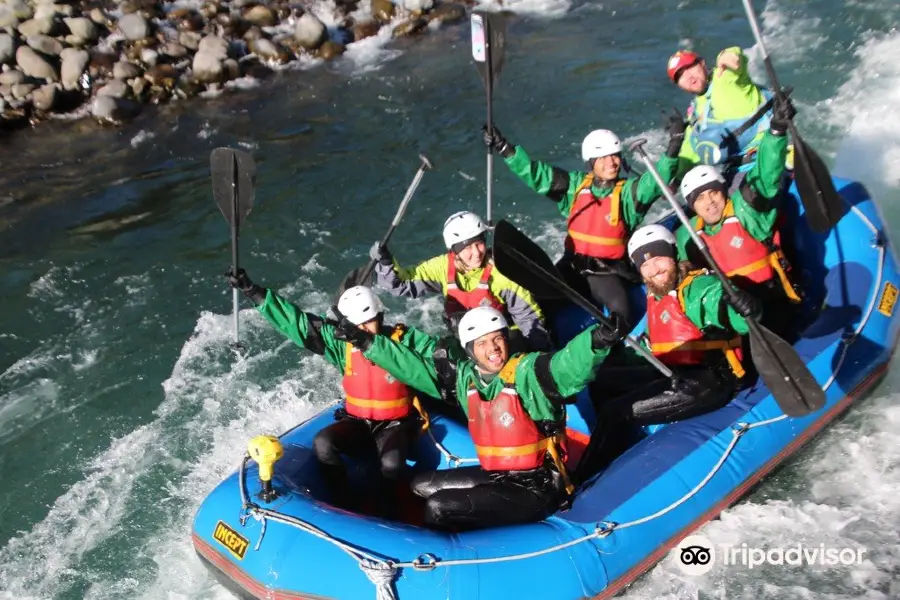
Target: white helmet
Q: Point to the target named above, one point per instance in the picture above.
(462, 227)
(360, 304)
(699, 179)
(600, 143)
(480, 321)
(650, 241)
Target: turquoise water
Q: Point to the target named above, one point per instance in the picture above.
(121, 404)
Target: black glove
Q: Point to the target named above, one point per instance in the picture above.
(674, 126)
(494, 139)
(346, 331)
(242, 282)
(746, 304)
(782, 115)
(608, 335)
(381, 254)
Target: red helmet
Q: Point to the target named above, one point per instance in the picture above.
(680, 61)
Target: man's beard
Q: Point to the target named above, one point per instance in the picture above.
(665, 287)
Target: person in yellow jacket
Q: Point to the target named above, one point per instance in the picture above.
(719, 129)
(466, 277)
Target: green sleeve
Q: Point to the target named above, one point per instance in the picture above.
(734, 95)
(418, 341)
(405, 364)
(765, 178)
(682, 239)
(574, 365)
(538, 176)
(297, 326)
(636, 199)
(703, 299)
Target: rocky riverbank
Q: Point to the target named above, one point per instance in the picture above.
(107, 58)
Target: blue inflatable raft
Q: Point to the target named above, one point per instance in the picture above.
(623, 520)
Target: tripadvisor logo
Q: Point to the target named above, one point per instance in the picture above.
(696, 555)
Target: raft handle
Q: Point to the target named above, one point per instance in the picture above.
(425, 562)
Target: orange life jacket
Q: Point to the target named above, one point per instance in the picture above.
(739, 254)
(459, 300)
(372, 392)
(596, 227)
(674, 338)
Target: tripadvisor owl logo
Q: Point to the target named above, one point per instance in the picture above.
(694, 555)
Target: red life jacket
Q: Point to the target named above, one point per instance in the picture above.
(372, 392)
(505, 436)
(459, 301)
(596, 228)
(739, 254)
(676, 340)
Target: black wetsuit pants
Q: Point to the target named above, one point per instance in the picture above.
(361, 438)
(472, 498)
(607, 282)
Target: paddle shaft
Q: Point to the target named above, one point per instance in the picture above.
(401, 210)
(235, 218)
(489, 92)
(802, 159)
(590, 308)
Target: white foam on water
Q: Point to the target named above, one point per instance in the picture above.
(142, 136)
(866, 111)
(787, 33)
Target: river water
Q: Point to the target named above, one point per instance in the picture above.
(121, 404)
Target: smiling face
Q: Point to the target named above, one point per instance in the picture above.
(490, 352)
(472, 256)
(660, 274)
(606, 168)
(710, 206)
(694, 79)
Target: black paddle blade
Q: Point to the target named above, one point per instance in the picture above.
(509, 242)
(488, 43)
(351, 279)
(233, 173)
(784, 373)
(823, 205)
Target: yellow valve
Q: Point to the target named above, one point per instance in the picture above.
(265, 450)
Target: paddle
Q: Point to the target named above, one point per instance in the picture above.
(780, 367)
(523, 261)
(360, 276)
(234, 185)
(488, 41)
(823, 205)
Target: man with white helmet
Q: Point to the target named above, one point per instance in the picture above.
(691, 327)
(515, 404)
(377, 416)
(602, 207)
(741, 230)
(466, 277)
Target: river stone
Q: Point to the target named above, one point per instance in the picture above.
(365, 29)
(174, 49)
(107, 108)
(5, 91)
(134, 26)
(410, 27)
(115, 89)
(232, 69)
(12, 77)
(448, 12)
(101, 17)
(383, 10)
(8, 17)
(34, 65)
(207, 67)
(21, 9)
(330, 49)
(260, 15)
(125, 70)
(310, 32)
(418, 6)
(7, 48)
(149, 56)
(20, 90)
(268, 50)
(41, 26)
(82, 28)
(214, 46)
(44, 98)
(45, 44)
(190, 40)
(73, 63)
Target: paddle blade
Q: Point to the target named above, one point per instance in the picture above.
(823, 205)
(509, 243)
(354, 277)
(233, 177)
(488, 43)
(784, 373)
